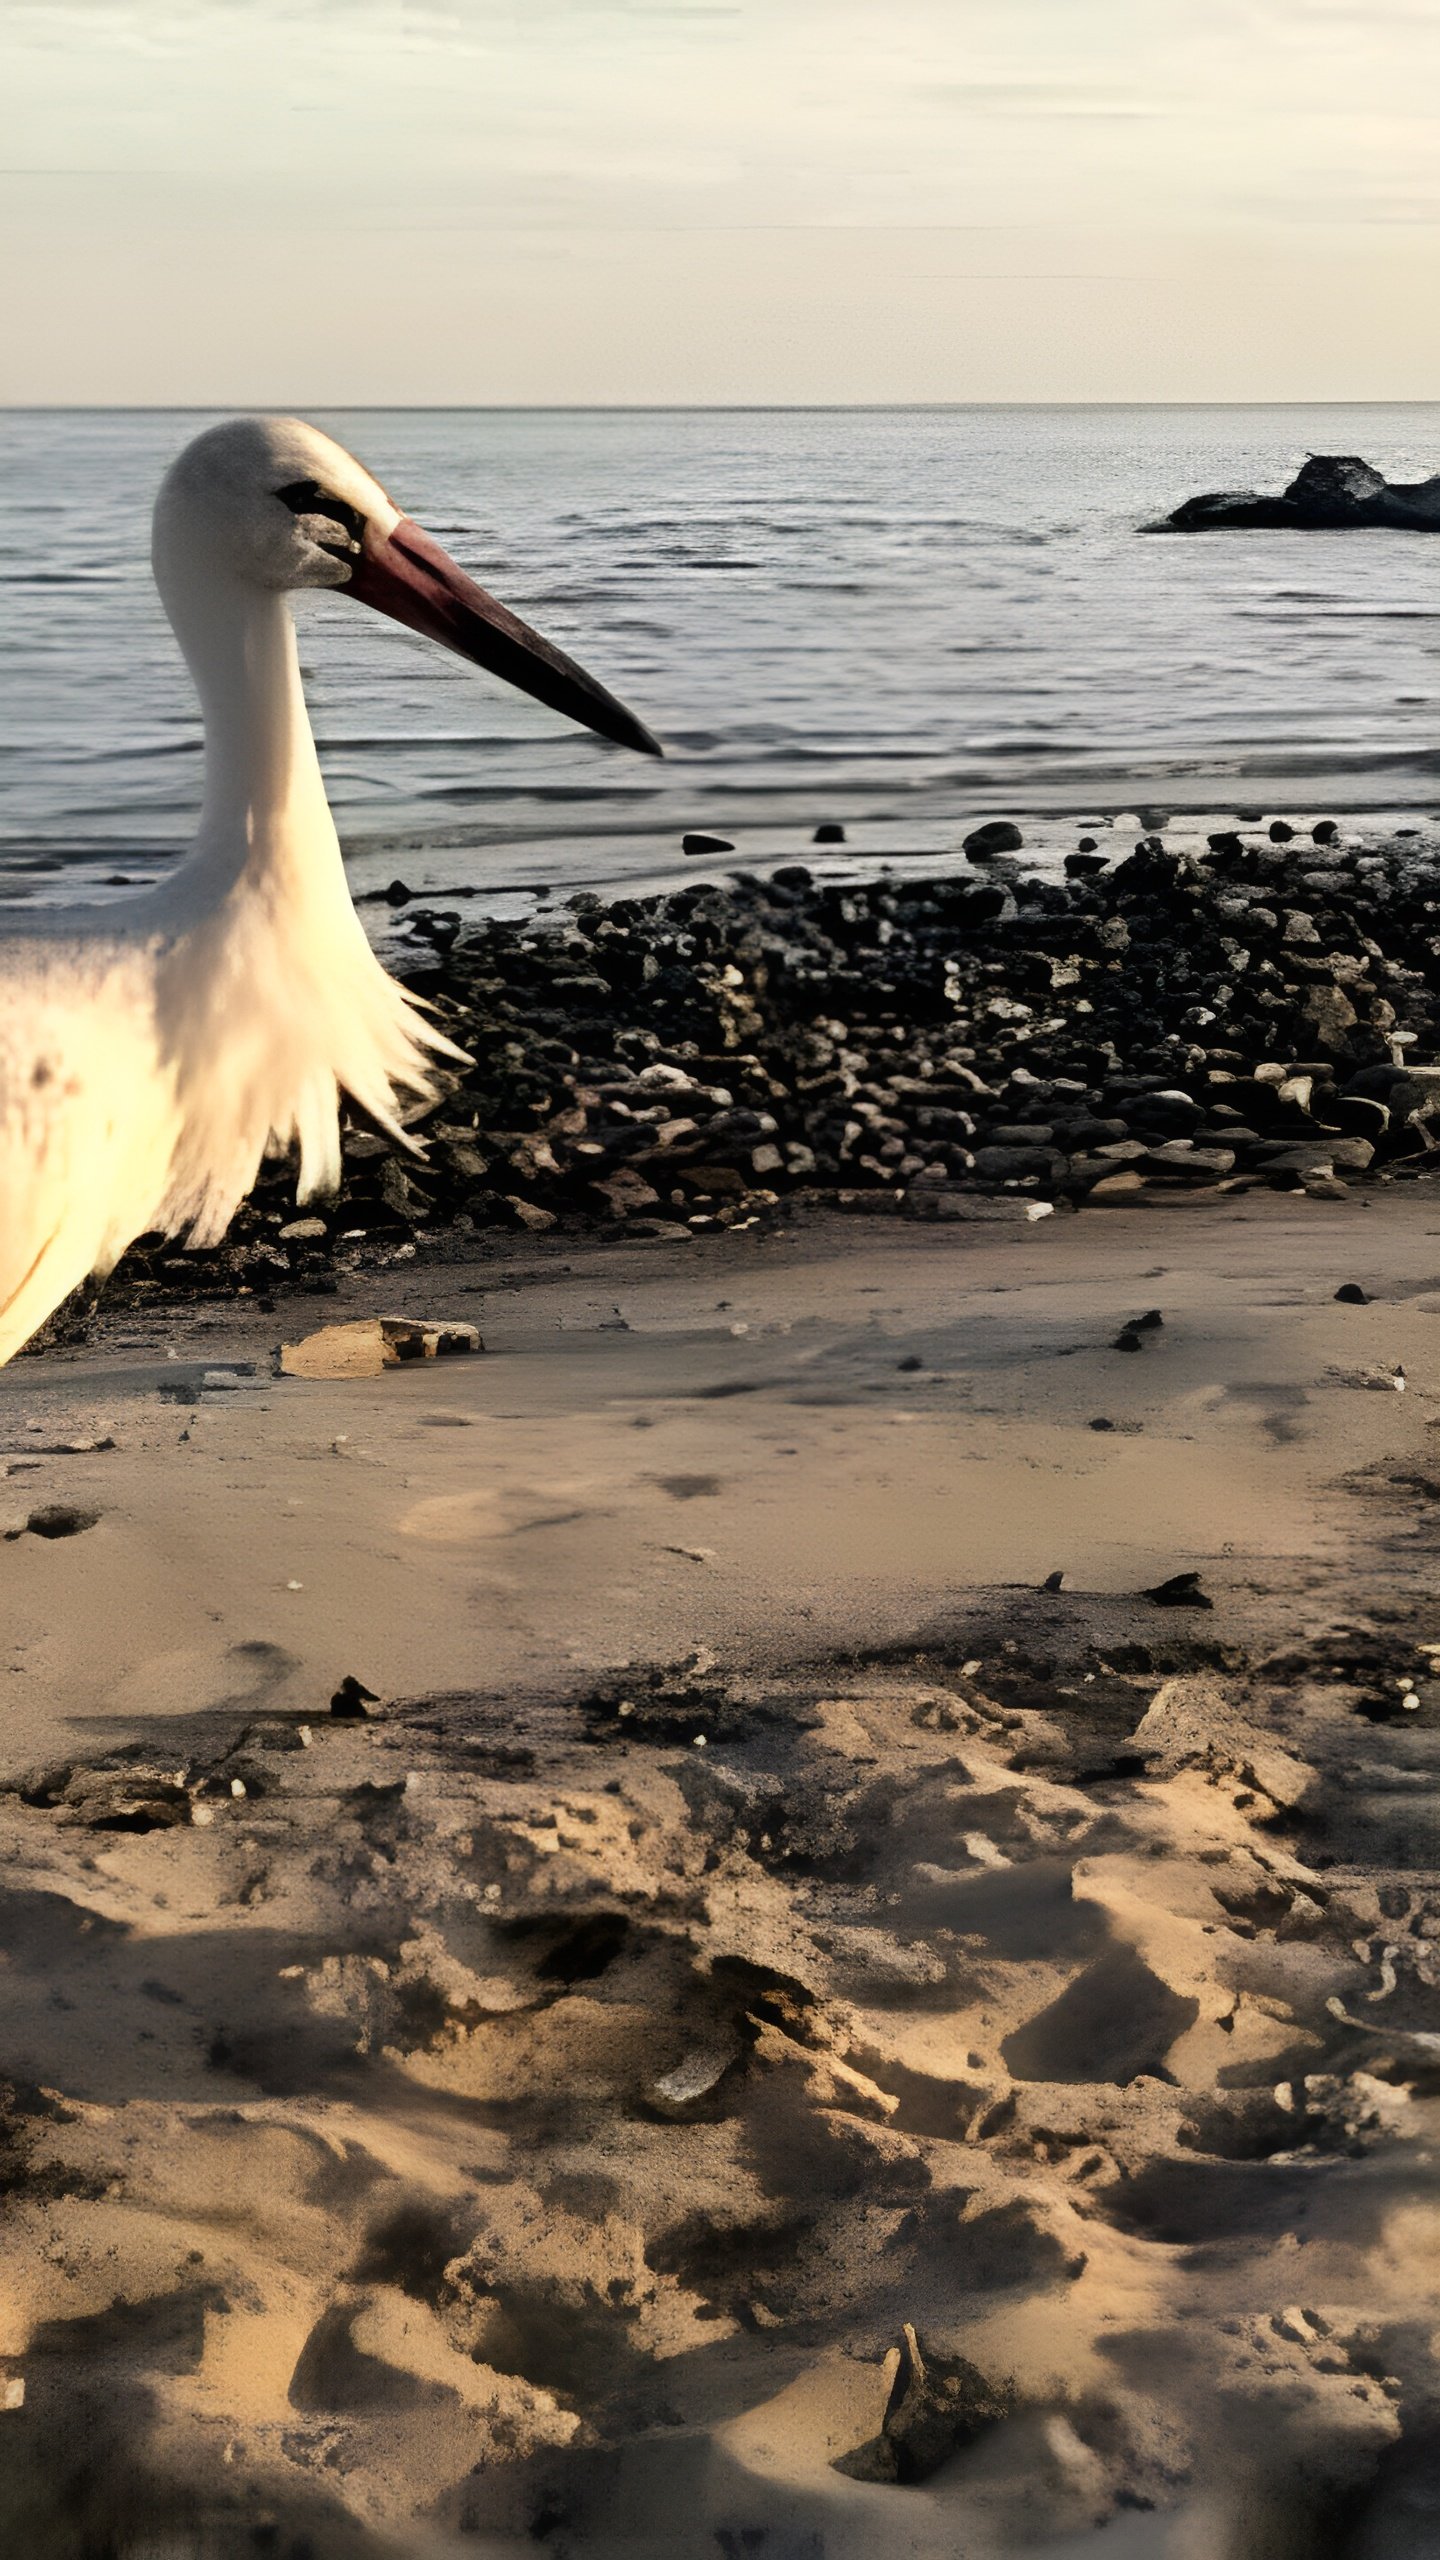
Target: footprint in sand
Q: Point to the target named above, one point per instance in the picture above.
(479, 1512)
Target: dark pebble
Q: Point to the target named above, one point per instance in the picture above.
(352, 1698)
(1181, 1591)
(828, 834)
(998, 835)
(1280, 833)
(698, 842)
(1350, 1294)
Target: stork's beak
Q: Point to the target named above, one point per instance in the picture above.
(409, 577)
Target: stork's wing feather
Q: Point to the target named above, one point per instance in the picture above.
(266, 1022)
(142, 1077)
(87, 1128)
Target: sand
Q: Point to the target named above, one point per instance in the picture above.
(761, 1958)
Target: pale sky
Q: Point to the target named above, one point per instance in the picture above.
(319, 202)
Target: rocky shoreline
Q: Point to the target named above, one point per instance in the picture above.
(981, 1043)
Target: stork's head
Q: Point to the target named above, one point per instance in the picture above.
(274, 503)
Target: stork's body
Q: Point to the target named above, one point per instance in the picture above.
(151, 1050)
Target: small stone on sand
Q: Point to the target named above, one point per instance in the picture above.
(1180, 1591)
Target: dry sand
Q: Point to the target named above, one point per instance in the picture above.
(753, 1917)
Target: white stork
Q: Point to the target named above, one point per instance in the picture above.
(152, 1050)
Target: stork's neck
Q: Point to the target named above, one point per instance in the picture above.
(265, 818)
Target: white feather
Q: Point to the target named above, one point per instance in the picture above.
(152, 1051)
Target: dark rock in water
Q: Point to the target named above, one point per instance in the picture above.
(697, 842)
(828, 834)
(1082, 866)
(791, 875)
(1280, 833)
(1327, 480)
(1332, 490)
(1150, 1322)
(1325, 833)
(1225, 841)
(998, 835)
(1350, 1294)
(1180, 1591)
(1086, 845)
(1128, 1340)
(398, 895)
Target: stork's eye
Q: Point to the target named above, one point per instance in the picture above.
(307, 498)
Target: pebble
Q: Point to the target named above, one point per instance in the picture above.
(1180, 1591)
(352, 1699)
(998, 835)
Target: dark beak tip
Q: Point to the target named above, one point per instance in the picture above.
(406, 575)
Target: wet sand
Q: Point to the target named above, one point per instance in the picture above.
(754, 1915)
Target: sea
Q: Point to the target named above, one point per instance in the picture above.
(898, 621)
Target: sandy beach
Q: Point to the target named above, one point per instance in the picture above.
(771, 2029)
